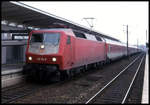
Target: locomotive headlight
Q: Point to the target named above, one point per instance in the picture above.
(54, 59)
(42, 46)
(30, 58)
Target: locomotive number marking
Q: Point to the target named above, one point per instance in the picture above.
(41, 59)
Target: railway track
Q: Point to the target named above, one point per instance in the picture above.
(117, 90)
(13, 93)
(63, 91)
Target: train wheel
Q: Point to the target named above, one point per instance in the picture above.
(34, 75)
(41, 74)
(31, 74)
(46, 78)
(71, 73)
(97, 65)
(94, 66)
(83, 70)
(66, 74)
(55, 76)
(62, 75)
(108, 60)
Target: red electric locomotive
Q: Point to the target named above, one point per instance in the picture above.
(54, 53)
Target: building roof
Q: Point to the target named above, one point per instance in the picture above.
(28, 16)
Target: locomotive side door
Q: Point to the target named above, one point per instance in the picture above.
(69, 52)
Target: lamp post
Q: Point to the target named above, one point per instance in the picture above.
(127, 37)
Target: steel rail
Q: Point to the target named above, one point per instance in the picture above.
(26, 92)
(19, 96)
(111, 81)
(12, 87)
(132, 82)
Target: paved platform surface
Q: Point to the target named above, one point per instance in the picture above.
(145, 95)
(11, 68)
(11, 74)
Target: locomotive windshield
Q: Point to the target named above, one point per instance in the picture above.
(44, 43)
(51, 38)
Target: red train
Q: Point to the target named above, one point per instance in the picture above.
(61, 52)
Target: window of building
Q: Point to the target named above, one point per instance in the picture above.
(6, 36)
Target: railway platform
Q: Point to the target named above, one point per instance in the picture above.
(145, 95)
(11, 75)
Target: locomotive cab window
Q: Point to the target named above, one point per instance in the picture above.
(49, 42)
(46, 38)
(68, 39)
(36, 38)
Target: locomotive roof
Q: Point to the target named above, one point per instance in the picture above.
(70, 32)
(64, 29)
(67, 31)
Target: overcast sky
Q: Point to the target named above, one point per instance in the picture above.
(109, 17)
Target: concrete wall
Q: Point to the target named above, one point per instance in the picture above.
(3, 55)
